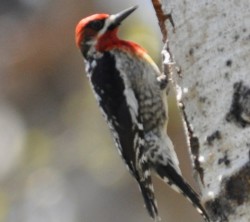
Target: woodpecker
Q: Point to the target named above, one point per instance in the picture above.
(131, 93)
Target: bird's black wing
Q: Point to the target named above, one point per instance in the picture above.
(109, 87)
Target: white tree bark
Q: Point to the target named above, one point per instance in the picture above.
(210, 47)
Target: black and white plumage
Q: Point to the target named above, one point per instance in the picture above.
(126, 84)
(110, 88)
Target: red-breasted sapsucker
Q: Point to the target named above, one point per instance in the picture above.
(130, 91)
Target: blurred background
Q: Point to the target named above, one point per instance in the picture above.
(57, 159)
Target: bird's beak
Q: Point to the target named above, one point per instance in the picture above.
(119, 17)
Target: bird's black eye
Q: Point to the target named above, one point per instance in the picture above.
(96, 25)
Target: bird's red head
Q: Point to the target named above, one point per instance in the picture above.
(99, 31)
(88, 28)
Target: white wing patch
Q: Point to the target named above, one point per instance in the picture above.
(132, 103)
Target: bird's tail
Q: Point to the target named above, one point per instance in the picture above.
(147, 189)
(176, 181)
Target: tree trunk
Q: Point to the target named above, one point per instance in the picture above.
(207, 55)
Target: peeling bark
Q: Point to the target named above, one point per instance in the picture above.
(210, 42)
